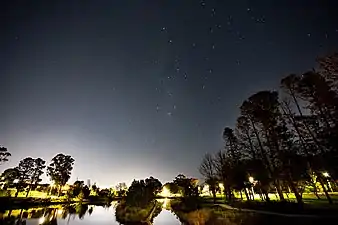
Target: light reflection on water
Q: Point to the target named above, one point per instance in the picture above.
(76, 214)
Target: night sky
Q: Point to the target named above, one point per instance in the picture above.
(138, 88)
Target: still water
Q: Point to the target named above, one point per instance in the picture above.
(75, 214)
(91, 214)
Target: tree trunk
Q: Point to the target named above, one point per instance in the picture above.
(214, 195)
(267, 198)
(324, 189)
(295, 191)
(279, 190)
(17, 192)
(246, 194)
(59, 191)
(29, 189)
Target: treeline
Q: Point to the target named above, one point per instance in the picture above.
(27, 174)
(285, 140)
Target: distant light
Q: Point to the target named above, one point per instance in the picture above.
(326, 174)
(165, 192)
(41, 220)
(221, 185)
(251, 179)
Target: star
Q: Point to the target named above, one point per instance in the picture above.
(170, 41)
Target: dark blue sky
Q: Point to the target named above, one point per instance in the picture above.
(138, 88)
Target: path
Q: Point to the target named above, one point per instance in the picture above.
(228, 207)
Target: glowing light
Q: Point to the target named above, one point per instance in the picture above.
(165, 192)
(165, 202)
(41, 220)
(205, 188)
(251, 179)
(326, 174)
(60, 211)
(221, 186)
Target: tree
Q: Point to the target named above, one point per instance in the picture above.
(37, 170)
(9, 176)
(172, 187)
(208, 170)
(121, 189)
(4, 154)
(25, 173)
(188, 185)
(60, 169)
(77, 187)
(142, 192)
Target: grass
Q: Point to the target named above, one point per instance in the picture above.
(312, 205)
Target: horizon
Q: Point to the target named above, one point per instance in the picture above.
(138, 89)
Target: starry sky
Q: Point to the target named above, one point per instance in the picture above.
(137, 88)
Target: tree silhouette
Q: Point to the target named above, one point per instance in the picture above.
(285, 143)
(60, 169)
(9, 176)
(37, 166)
(208, 170)
(4, 154)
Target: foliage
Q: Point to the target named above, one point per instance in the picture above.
(60, 169)
(9, 175)
(121, 189)
(142, 192)
(187, 185)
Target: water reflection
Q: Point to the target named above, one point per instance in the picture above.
(45, 215)
(74, 214)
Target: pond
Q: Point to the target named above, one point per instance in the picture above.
(77, 214)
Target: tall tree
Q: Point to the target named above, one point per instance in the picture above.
(25, 172)
(60, 169)
(208, 170)
(37, 170)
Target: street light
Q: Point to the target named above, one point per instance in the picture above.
(326, 174)
(251, 179)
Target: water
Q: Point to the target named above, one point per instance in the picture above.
(90, 214)
(75, 215)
